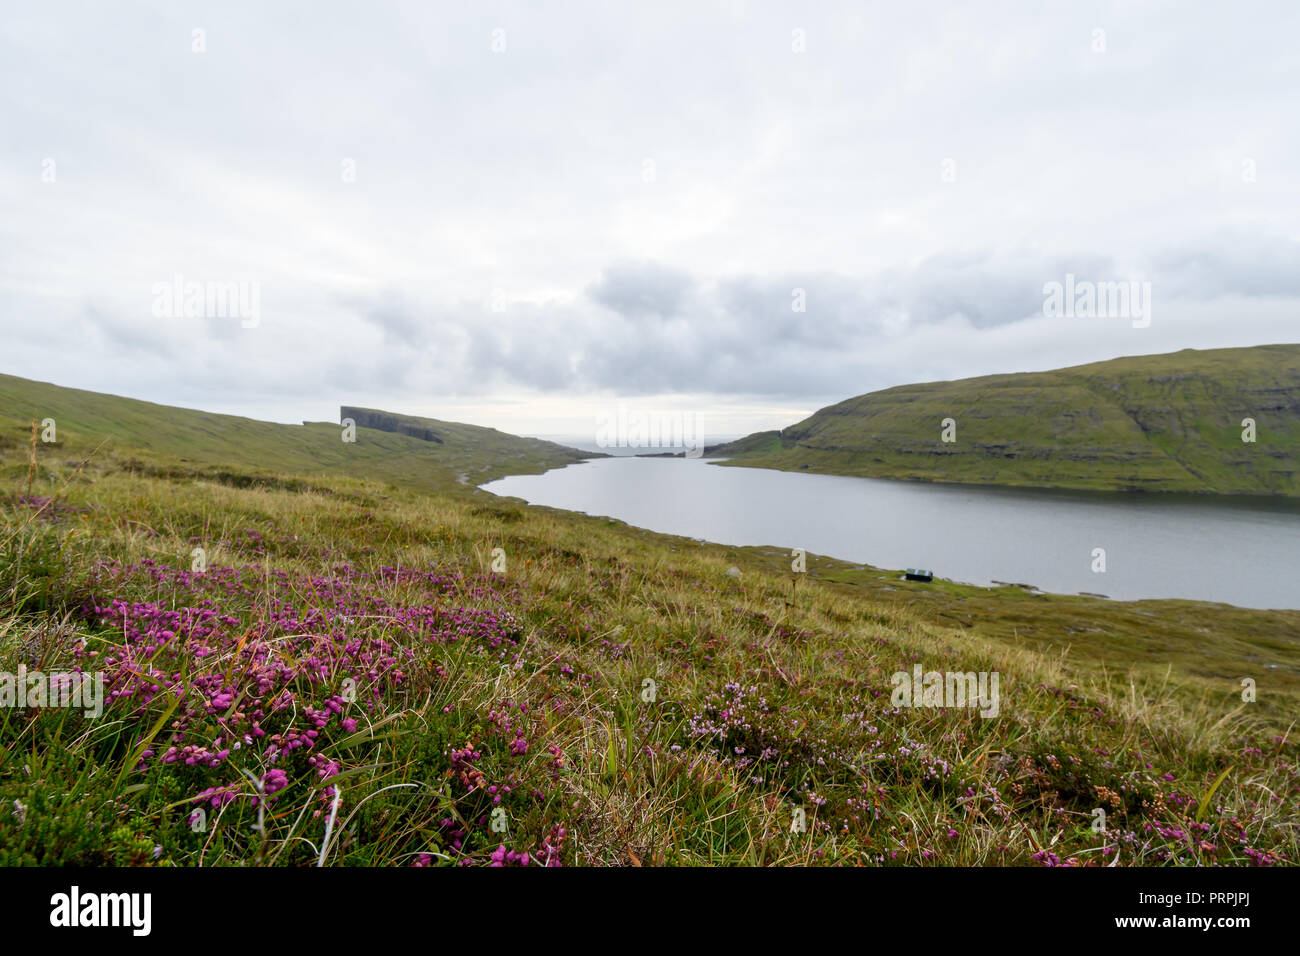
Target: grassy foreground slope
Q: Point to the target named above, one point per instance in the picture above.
(1151, 422)
(360, 651)
(201, 443)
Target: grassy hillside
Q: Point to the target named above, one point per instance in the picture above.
(359, 650)
(1152, 422)
(202, 443)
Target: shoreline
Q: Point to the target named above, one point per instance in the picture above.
(994, 584)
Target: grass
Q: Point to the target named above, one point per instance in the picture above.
(183, 442)
(1142, 423)
(356, 649)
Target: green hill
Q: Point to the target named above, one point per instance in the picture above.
(1151, 423)
(416, 453)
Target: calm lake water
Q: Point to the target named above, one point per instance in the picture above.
(1243, 552)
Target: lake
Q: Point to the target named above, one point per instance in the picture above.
(1239, 551)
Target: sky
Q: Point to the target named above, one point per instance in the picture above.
(525, 215)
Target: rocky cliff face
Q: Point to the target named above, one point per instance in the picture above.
(387, 422)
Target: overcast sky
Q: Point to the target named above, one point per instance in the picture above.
(520, 214)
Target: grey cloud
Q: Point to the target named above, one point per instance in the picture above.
(130, 334)
(742, 334)
(642, 289)
(983, 289)
(398, 321)
(529, 350)
(1232, 263)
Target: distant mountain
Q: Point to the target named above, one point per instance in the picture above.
(420, 453)
(1152, 423)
